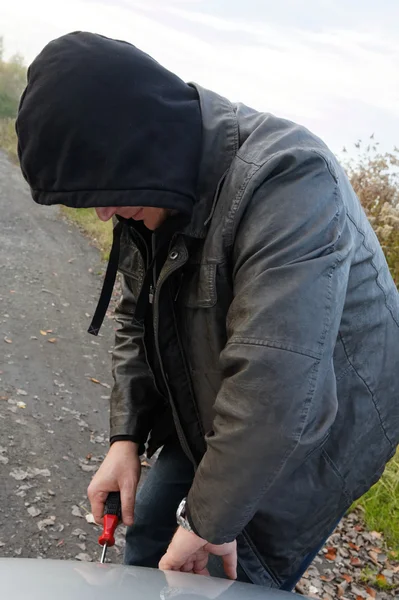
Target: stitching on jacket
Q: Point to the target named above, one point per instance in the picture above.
(334, 467)
(339, 259)
(333, 174)
(362, 233)
(367, 386)
(345, 371)
(235, 204)
(234, 118)
(274, 344)
(249, 162)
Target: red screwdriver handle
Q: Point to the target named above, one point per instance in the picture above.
(112, 516)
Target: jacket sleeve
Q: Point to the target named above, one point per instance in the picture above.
(291, 260)
(134, 397)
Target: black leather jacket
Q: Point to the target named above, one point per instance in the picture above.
(276, 324)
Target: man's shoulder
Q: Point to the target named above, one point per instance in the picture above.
(265, 136)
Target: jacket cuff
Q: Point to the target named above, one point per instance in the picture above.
(128, 438)
(191, 522)
(206, 531)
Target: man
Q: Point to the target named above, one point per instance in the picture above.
(258, 327)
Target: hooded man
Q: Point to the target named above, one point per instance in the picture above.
(258, 326)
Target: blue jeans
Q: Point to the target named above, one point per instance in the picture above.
(168, 482)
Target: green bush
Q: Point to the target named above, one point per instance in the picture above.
(8, 138)
(12, 83)
(375, 179)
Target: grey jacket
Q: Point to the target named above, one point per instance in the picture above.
(284, 378)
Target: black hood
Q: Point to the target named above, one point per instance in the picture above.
(103, 124)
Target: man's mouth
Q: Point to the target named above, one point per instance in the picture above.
(138, 215)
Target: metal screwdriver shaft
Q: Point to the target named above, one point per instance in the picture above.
(104, 553)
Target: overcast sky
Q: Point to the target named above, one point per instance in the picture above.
(332, 65)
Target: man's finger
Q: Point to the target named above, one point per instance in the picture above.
(128, 497)
(165, 564)
(204, 572)
(200, 565)
(97, 501)
(187, 567)
(230, 565)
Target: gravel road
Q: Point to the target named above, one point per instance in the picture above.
(54, 389)
(53, 416)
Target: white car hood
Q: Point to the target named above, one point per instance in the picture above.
(35, 579)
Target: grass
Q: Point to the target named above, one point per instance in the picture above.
(371, 576)
(8, 138)
(88, 222)
(381, 506)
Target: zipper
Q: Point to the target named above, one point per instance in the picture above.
(153, 295)
(154, 270)
(180, 433)
(186, 369)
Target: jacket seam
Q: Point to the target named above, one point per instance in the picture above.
(348, 369)
(236, 126)
(327, 163)
(261, 165)
(312, 384)
(230, 220)
(334, 467)
(248, 341)
(368, 388)
(282, 152)
(362, 233)
(250, 162)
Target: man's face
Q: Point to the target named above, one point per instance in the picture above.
(152, 217)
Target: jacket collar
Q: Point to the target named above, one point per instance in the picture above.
(219, 146)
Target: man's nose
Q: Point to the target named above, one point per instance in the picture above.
(105, 213)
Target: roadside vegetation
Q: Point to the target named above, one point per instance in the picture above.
(375, 178)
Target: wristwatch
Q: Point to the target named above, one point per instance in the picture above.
(181, 516)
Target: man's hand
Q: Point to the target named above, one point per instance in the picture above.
(120, 471)
(189, 553)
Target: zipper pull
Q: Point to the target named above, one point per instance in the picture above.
(151, 295)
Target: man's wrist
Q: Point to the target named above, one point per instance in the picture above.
(128, 438)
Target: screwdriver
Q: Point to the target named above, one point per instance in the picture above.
(112, 516)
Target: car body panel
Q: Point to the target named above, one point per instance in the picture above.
(36, 579)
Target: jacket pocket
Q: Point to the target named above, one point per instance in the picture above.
(199, 286)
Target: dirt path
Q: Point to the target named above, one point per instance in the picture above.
(54, 418)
